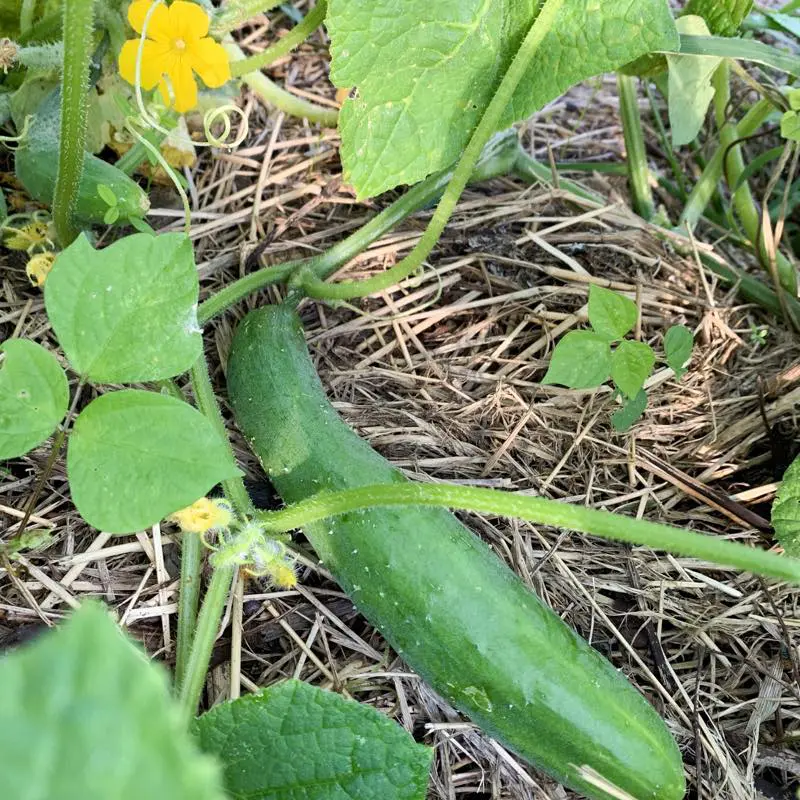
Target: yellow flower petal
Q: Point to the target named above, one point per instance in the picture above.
(183, 96)
(39, 267)
(187, 21)
(210, 61)
(158, 26)
(155, 62)
(202, 515)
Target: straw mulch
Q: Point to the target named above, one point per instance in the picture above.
(442, 376)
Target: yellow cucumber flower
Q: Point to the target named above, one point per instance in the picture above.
(39, 266)
(203, 515)
(176, 47)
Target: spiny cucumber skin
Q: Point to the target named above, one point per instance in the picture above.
(463, 620)
(36, 169)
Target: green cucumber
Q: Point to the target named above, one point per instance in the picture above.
(459, 616)
(36, 165)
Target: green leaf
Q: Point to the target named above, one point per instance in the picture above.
(296, 742)
(128, 313)
(690, 89)
(788, 22)
(790, 126)
(631, 366)
(34, 396)
(610, 314)
(85, 716)
(107, 194)
(630, 412)
(425, 76)
(786, 511)
(678, 343)
(581, 360)
(134, 457)
(111, 215)
(724, 17)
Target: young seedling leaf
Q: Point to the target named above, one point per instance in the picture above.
(128, 313)
(724, 17)
(34, 396)
(611, 315)
(788, 22)
(134, 457)
(786, 511)
(678, 343)
(85, 716)
(690, 89)
(296, 742)
(425, 76)
(631, 366)
(581, 360)
(630, 412)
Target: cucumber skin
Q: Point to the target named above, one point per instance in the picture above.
(36, 169)
(459, 616)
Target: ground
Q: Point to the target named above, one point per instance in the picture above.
(443, 377)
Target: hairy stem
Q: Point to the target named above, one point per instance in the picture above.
(273, 95)
(78, 22)
(188, 602)
(205, 634)
(285, 45)
(538, 510)
(313, 286)
(638, 172)
(499, 158)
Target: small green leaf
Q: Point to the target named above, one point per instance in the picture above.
(630, 412)
(296, 742)
(786, 511)
(34, 396)
(724, 17)
(107, 194)
(610, 314)
(111, 215)
(790, 126)
(128, 313)
(85, 716)
(134, 457)
(678, 343)
(141, 226)
(631, 366)
(690, 89)
(581, 360)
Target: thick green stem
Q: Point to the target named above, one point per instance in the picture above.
(499, 157)
(541, 511)
(705, 187)
(205, 634)
(638, 172)
(296, 36)
(207, 403)
(188, 602)
(743, 202)
(78, 26)
(315, 287)
(236, 12)
(531, 171)
(272, 94)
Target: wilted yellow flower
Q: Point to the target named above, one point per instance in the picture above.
(203, 515)
(27, 237)
(39, 267)
(283, 576)
(176, 47)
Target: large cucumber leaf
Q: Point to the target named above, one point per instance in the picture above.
(425, 70)
(85, 716)
(723, 17)
(786, 511)
(296, 742)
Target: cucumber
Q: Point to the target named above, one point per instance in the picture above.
(36, 166)
(458, 615)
